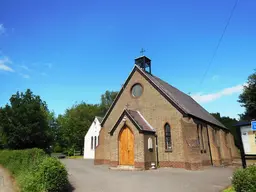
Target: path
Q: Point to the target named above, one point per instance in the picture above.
(6, 184)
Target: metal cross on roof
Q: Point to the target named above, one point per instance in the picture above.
(142, 51)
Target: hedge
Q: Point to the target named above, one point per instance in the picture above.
(35, 171)
(244, 180)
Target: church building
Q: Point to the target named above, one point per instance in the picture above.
(91, 138)
(151, 122)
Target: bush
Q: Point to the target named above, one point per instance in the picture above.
(35, 171)
(53, 174)
(244, 180)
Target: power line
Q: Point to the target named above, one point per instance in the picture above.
(219, 42)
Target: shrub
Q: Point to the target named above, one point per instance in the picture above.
(53, 174)
(34, 170)
(244, 180)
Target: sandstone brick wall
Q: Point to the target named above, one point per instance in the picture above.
(215, 147)
(191, 146)
(224, 149)
(138, 142)
(205, 155)
(156, 110)
(99, 151)
(234, 150)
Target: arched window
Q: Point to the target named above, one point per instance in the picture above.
(92, 142)
(150, 143)
(168, 138)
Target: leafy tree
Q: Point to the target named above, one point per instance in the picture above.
(248, 98)
(229, 123)
(24, 122)
(74, 125)
(106, 100)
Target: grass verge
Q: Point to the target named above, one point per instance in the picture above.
(35, 171)
(229, 189)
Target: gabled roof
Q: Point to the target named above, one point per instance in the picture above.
(137, 119)
(183, 102)
(186, 103)
(141, 121)
(99, 118)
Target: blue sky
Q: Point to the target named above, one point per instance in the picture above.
(72, 51)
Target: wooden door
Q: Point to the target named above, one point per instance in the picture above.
(126, 147)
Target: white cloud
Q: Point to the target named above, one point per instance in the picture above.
(206, 98)
(3, 64)
(2, 29)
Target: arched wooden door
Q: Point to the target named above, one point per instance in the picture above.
(126, 147)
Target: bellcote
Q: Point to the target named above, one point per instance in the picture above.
(144, 63)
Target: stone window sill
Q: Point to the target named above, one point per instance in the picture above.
(168, 150)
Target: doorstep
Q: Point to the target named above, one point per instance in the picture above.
(126, 168)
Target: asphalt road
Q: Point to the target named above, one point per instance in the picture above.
(86, 177)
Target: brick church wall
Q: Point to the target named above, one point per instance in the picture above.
(191, 146)
(138, 145)
(234, 150)
(158, 111)
(215, 145)
(224, 149)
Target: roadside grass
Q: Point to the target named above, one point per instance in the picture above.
(34, 170)
(75, 157)
(229, 189)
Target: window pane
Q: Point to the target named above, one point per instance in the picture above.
(136, 90)
(168, 141)
(91, 142)
(167, 128)
(95, 141)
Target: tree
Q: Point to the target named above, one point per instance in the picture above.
(248, 98)
(106, 100)
(229, 123)
(74, 125)
(24, 122)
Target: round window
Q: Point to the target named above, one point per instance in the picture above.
(137, 90)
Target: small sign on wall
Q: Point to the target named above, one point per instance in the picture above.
(253, 125)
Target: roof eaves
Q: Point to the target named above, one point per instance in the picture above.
(222, 127)
(125, 112)
(146, 121)
(131, 118)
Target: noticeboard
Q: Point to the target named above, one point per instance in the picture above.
(253, 125)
